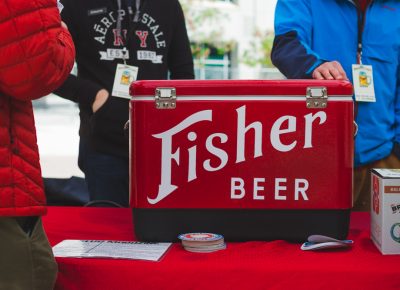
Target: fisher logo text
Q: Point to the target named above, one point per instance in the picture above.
(217, 157)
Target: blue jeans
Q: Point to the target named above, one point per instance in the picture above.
(107, 176)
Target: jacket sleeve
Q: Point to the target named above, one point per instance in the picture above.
(397, 106)
(292, 53)
(180, 60)
(75, 88)
(37, 53)
(78, 90)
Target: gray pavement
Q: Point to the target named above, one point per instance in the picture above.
(57, 124)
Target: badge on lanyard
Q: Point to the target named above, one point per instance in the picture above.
(363, 83)
(124, 76)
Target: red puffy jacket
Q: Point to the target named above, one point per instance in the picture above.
(36, 56)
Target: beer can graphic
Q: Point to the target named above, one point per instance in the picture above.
(364, 79)
(126, 77)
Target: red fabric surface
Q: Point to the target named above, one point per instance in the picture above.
(249, 265)
(36, 56)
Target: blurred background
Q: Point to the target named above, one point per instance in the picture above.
(229, 39)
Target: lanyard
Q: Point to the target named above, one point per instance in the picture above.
(135, 18)
(137, 11)
(361, 15)
(361, 22)
(129, 3)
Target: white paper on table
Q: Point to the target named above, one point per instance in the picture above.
(110, 249)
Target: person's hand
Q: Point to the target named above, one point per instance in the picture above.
(100, 99)
(64, 25)
(332, 70)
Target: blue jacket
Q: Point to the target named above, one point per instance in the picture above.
(310, 32)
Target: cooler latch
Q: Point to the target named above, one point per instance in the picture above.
(165, 98)
(317, 97)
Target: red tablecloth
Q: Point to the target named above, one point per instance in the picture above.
(249, 265)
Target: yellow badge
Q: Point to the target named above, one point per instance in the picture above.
(363, 83)
(124, 76)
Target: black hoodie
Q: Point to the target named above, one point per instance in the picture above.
(158, 45)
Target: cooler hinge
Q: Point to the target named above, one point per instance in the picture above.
(165, 98)
(317, 98)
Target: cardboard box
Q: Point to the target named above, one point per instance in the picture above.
(251, 160)
(385, 210)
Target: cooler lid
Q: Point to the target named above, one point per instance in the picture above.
(241, 87)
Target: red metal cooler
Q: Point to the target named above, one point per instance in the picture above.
(251, 160)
